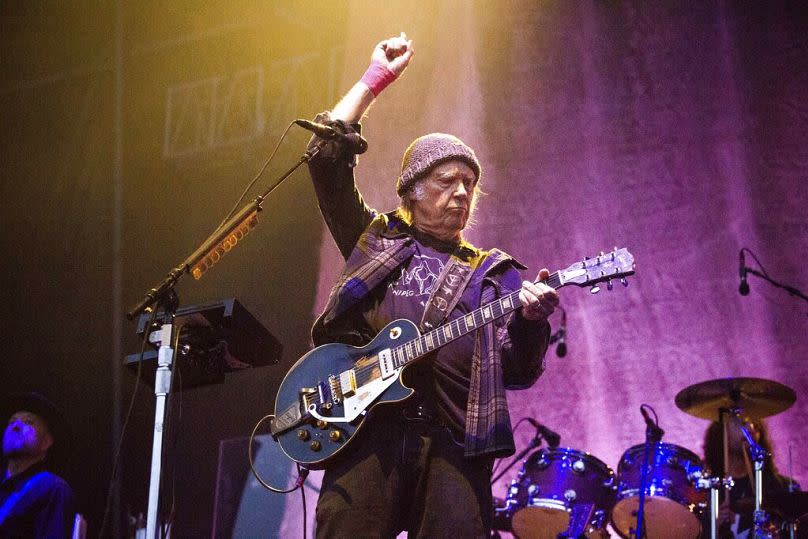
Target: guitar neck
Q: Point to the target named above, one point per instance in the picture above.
(428, 342)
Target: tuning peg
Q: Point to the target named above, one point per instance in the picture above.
(623, 281)
(595, 289)
(609, 285)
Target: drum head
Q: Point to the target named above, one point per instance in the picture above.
(540, 522)
(551, 483)
(664, 518)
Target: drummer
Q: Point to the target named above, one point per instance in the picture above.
(735, 515)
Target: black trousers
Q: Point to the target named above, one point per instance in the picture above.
(405, 474)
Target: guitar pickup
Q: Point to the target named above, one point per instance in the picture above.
(386, 363)
(347, 382)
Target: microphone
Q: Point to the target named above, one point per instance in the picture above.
(650, 424)
(553, 438)
(353, 141)
(743, 288)
(561, 347)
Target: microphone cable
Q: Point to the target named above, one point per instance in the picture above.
(250, 185)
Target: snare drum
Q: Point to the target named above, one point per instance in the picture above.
(551, 484)
(672, 503)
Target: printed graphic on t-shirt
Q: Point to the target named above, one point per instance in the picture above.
(419, 278)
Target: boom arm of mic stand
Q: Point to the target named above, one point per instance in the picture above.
(222, 240)
(534, 443)
(790, 289)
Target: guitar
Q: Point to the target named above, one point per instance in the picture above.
(324, 398)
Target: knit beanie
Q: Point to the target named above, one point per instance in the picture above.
(429, 151)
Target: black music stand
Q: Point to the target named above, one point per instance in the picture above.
(215, 338)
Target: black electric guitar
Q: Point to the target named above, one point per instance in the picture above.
(326, 395)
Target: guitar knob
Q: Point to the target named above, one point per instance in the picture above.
(315, 445)
(321, 424)
(335, 436)
(303, 434)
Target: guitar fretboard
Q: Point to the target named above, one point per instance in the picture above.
(462, 325)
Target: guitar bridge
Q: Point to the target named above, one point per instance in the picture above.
(336, 390)
(326, 398)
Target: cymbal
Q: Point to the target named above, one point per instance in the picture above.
(755, 396)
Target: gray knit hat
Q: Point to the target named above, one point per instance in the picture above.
(429, 151)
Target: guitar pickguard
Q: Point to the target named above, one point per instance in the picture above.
(363, 397)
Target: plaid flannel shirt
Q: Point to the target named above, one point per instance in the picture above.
(508, 354)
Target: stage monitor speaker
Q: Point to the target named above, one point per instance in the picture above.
(244, 508)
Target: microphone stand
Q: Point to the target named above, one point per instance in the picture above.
(222, 240)
(533, 444)
(653, 434)
(790, 289)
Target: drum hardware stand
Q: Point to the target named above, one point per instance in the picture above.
(580, 517)
(714, 485)
(653, 435)
(758, 456)
(791, 521)
(792, 528)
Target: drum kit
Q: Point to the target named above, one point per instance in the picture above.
(566, 493)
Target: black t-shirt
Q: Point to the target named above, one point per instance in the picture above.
(441, 379)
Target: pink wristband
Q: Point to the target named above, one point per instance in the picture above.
(377, 78)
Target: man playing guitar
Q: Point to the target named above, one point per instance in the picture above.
(425, 465)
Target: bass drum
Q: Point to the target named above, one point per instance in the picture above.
(673, 506)
(555, 483)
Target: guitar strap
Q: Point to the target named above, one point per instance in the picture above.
(449, 287)
(15, 497)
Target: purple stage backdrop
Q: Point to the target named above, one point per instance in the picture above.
(674, 129)
(677, 132)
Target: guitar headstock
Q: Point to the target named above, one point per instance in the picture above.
(617, 264)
